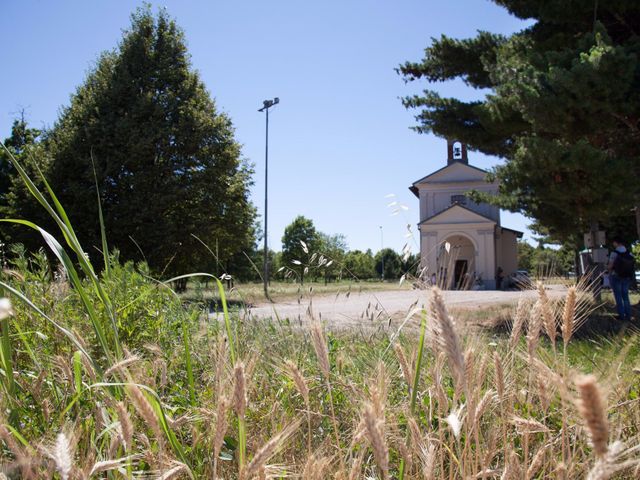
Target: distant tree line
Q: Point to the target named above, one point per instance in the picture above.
(308, 253)
(545, 261)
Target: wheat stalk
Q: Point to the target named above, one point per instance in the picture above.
(568, 316)
(145, 410)
(374, 425)
(548, 317)
(265, 452)
(320, 347)
(448, 337)
(221, 429)
(518, 322)
(126, 427)
(592, 408)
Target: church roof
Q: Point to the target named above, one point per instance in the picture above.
(414, 188)
(457, 205)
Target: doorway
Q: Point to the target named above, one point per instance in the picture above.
(460, 271)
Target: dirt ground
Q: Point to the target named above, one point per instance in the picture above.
(378, 308)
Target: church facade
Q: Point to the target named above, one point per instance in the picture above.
(462, 242)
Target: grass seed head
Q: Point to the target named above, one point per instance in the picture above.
(6, 309)
(375, 433)
(568, 315)
(265, 452)
(126, 427)
(320, 347)
(144, 409)
(239, 390)
(518, 322)
(61, 454)
(447, 338)
(592, 409)
(299, 380)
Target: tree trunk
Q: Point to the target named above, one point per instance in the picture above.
(638, 219)
(597, 268)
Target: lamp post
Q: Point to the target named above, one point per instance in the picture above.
(381, 252)
(265, 108)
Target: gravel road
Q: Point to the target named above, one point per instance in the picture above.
(375, 308)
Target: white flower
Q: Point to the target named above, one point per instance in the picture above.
(62, 456)
(455, 422)
(6, 310)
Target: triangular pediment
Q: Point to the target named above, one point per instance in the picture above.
(454, 172)
(456, 214)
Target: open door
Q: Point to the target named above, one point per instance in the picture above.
(459, 273)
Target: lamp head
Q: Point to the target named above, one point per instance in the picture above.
(266, 104)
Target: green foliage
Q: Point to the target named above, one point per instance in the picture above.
(21, 139)
(392, 264)
(562, 109)
(545, 261)
(333, 247)
(360, 265)
(167, 165)
(299, 242)
(16, 201)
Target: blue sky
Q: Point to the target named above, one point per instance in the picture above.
(340, 141)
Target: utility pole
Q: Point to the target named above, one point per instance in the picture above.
(381, 252)
(265, 108)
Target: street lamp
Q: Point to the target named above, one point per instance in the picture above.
(381, 252)
(266, 105)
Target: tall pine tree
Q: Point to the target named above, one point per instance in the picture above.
(563, 108)
(167, 164)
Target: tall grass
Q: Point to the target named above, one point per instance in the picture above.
(111, 376)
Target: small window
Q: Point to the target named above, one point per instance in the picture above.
(460, 199)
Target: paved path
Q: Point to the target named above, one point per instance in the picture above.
(367, 308)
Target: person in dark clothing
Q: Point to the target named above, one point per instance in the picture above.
(621, 271)
(499, 278)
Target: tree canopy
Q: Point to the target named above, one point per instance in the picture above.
(144, 130)
(561, 106)
(299, 242)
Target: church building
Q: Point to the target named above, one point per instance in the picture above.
(462, 242)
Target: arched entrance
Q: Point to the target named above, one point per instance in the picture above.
(457, 263)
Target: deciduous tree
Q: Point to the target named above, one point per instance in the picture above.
(299, 242)
(166, 162)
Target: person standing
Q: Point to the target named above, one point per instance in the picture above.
(621, 270)
(499, 278)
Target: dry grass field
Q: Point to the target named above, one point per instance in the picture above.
(185, 396)
(113, 375)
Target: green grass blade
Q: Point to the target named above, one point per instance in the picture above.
(156, 404)
(27, 344)
(103, 230)
(6, 357)
(225, 310)
(85, 264)
(416, 375)
(416, 380)
(187, 359)
(64, 331)
(77, 371)
(60, 217)
(64, 259)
